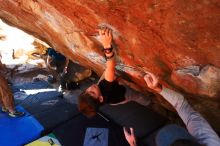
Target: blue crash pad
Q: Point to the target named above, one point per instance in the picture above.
(31, 85)
(20, 91)
(18, 131)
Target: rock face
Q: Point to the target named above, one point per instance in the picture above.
(205, 81)
(165, 37)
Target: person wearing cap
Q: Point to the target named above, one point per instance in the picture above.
(198, 133)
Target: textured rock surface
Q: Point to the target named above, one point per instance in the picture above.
(205, 81)
(161, 36)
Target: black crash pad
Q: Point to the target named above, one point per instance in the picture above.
(131, 114)
(73, 132)
(49, 109)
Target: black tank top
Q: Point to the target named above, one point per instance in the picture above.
(112, 92)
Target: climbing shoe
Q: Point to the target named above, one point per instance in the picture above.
(5, 110)
(16, 114)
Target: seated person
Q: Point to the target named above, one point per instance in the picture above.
(73, 73)
(56, 61)
(200, 133)
(7, 99)
(107, 90)
(69, 72)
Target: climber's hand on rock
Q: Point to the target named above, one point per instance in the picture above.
(152, 82)
(105, 37)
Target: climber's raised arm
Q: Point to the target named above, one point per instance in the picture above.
(106, 41)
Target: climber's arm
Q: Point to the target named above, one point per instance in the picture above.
(106, 40)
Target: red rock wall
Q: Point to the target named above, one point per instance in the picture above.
(166, 37)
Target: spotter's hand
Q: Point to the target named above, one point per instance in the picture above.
(130, 137)
(152, 82)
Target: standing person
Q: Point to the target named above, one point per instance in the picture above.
(6, 97)
(108, 90)
(199, 133)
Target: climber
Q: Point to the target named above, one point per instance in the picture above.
(199, 131)
(107, 90)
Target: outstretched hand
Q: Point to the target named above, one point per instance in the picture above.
(130, 137)
(152, 82)
(105, 37)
